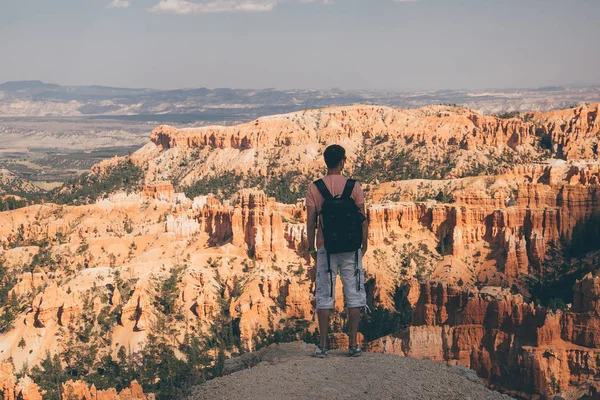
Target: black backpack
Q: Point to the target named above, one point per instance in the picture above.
(341, 224)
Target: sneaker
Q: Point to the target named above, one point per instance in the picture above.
(320, 352)
(354, 351)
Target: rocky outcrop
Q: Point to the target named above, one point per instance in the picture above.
(573, 133)
(447, 124)
(248, 253)
(286, 369)
(53, 306)
(11, 389)
(138, 313)
(507, 341)
(78, 390)
(7, 381)
(182, 226)
(255, 224)
(541, 214)
(159, 190)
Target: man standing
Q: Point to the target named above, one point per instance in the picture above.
(336, 208)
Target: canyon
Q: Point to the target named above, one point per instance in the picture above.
(473, 206)
(509, 342)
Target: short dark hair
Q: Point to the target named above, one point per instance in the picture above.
(334, 155)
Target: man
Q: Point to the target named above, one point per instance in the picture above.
(331, 189)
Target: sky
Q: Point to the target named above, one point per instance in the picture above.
(302, 44)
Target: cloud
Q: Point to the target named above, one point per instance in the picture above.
(316, 1)
(182, 7)
(119, 4)
(212, 6)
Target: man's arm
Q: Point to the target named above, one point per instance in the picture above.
(365, 230)
(311, 226)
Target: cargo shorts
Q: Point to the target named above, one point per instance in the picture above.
(353, 279)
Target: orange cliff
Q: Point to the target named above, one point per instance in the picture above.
(508, 342)
(294, 142)
(573, 132)
(255, 223)
(11, 389)
(78, 390)
(352, 122)
(159, 190)
(541, 214)
(432, 132)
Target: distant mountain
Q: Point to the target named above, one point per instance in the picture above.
(224, 105)
(25, 85)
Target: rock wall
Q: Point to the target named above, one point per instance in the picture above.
(11, 389)
(453, 125)
(255, 224)
(159, 190)
(78, 390)
(573, 132)
(507, 341)
(542, 214)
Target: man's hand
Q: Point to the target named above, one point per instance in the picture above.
(365, 231)
(311, 227)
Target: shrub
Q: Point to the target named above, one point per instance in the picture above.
(87, 188)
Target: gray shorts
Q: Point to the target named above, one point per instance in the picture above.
(354, 283)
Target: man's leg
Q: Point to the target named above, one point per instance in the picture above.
(353, 279)
(353, 321)
(325, 302)
(324, 326)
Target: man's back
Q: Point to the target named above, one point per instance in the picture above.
(335, 184)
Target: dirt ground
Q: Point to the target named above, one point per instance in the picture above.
(288, 371)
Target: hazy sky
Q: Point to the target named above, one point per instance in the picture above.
(364, 44)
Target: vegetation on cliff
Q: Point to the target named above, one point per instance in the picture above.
(87, 188)
(9, 303)
(9, 203)
(286, 187)
(565, 263)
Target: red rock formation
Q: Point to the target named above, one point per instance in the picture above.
(53, 305)
(505, 340)
(572, 132)
(433, 124)
(255, 223)
(159, 190)
(511, 226)
(542, 214)
(7, 381)
(342, 341)
(265, 302)
(10, 389)
(78, 390)
(138, 312)
(27, 389)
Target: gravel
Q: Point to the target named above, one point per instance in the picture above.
(288, 371)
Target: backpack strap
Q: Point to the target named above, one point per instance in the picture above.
(320, 184)
(348, 188)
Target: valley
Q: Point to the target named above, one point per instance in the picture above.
(156, 266)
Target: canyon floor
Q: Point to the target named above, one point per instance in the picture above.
(288, 371)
